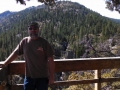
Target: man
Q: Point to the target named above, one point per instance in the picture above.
(39, 61)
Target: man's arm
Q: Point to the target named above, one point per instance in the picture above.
(51, 64)
(12, 57)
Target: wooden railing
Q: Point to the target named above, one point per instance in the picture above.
(66, 65)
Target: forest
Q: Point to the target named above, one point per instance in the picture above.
(73, 30)
(67, 26)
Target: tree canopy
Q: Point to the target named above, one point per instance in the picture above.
(113, 5)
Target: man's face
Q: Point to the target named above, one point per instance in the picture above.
(33, 31)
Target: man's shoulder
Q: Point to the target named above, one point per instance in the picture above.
(43, 39)
(25, 38)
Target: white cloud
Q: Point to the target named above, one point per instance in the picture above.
(14, 6)
(99, 6)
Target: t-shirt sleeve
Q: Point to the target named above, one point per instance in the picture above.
(19, 49)
(50, 51)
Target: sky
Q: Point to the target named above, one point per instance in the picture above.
(95, 5)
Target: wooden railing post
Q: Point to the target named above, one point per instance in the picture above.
(3, 78)
(98, 76)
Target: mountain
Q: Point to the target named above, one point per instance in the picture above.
(67, 22)
(6, 14)
(73, 30)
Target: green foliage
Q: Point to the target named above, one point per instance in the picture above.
(79, 51)
(80, 76)
(113, 5)
(67, 19)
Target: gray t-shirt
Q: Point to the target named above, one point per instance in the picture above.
(35, 53)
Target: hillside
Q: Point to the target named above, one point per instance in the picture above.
(66, 22)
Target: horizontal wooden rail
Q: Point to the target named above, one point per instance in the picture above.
(76, 82)
(73, 82)
(80, 64)
(64, 65)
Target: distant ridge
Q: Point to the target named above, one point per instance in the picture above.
(6, 13)
(116, 20)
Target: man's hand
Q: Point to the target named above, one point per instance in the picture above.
(2, 65)
(51, 80)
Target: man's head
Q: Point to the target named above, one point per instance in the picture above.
(34, 23)
(33, 30)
